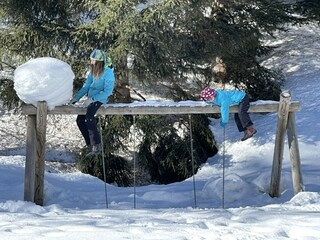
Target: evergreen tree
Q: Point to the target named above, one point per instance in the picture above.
(32, 29)
(40, 28)
(177, 44)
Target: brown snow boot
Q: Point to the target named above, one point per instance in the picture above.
(249, 133)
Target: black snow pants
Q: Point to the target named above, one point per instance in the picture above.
(88, 126)
(242, 118)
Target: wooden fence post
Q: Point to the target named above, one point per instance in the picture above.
(294, 154)
(31, 153)
(283, 112)
(41, 124)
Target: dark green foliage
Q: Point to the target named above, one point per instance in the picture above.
(269, 82)
(310, 9)
(163, 144)
(41, 28)
(165, 149)
(203, 138)
(180, 41)
(8, 94)
(115, 139)
(117, 169)
(116, 131)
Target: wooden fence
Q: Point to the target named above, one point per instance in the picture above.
(37, 120)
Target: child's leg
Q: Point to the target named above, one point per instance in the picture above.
(238, 122)
(82, 125)
(243, 114)
(91, 123)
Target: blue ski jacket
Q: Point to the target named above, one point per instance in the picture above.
(226, 98)
(99, 90)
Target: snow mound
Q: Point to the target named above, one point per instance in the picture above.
(21, 207)
(305, 198)
(44, 79)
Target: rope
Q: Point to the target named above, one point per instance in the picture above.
(223, 163)
(103, 163)
(192, 162)
(134, 161)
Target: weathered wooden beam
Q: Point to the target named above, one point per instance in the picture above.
(283, 112)
(31, 156)
(41, 124)
(162, 108)
(294, 154)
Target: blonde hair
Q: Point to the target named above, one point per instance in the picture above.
(97, 69)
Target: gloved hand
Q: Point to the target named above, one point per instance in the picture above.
(73, 101)
(222, 124)
(88, 101)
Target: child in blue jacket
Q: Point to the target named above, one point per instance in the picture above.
(98, 87)
(226, 98)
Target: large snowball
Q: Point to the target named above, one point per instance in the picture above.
(44, 79)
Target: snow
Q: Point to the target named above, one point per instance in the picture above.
(169, 103)
(44, 79)
(75, 203)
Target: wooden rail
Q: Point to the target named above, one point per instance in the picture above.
(36, 134)
(161, 108)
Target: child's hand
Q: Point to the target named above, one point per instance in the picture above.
(222, 124)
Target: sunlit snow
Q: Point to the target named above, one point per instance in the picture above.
(75, 203)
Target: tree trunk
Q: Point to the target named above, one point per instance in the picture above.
(122, 92)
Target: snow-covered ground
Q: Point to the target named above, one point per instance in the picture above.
(75, 203)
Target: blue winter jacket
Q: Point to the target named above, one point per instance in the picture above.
(99, 90)
(226, 98)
